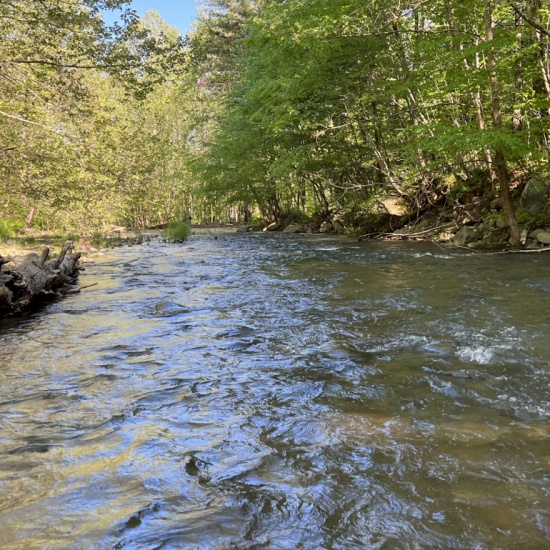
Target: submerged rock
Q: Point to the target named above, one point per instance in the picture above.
(165, 308)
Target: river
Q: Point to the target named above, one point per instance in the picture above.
(275, 391)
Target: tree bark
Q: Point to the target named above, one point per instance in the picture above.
(500, 164)
(33, 278)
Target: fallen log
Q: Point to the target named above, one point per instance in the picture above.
(34, 278)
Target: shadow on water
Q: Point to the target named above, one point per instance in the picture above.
(275, 391)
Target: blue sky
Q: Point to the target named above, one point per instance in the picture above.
(177, 13)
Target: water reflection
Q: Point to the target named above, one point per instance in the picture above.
(275, 391)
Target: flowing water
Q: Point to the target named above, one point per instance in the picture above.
(282, 392)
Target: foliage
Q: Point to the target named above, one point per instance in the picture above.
(494, 217)
(8, 229)
(75, 93)
(177, 231)
(266, 108)
(329, 103)
(99, 240)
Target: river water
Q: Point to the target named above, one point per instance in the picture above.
(282, 392)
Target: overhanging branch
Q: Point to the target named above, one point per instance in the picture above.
(68, 65)
(529, 21)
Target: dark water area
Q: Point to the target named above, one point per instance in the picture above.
(271, 391)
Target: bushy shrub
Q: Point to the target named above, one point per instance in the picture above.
(177, 231)
(8, 229)
(99, 240)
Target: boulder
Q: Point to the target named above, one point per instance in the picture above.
(294, 228)
(497, 204)
(543, 237)
(495, 237)
(466, 235)
(393, 205)
(325, 227)
(534, 233)
(533, 198)
(272, 227)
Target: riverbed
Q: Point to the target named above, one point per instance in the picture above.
(282, 391)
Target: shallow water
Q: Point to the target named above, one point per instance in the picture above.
(275, 391)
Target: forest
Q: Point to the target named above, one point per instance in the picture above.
(344, 388)
(272, 111)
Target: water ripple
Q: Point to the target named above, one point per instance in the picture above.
(276, 391)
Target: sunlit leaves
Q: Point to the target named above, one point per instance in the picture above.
(74, 99)
(354, 97)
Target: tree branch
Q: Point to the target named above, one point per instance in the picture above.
(529, 21)
(67, 65)
(27, 122)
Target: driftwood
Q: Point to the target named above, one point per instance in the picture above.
(405, 235)
(35, 278)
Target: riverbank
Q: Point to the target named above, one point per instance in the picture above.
(478, 224)
(469, 221)
(472, 222)
(33, 273)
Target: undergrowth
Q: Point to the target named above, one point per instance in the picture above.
(177, 231)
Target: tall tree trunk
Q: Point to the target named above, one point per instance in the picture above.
(500, 164)
(453, 26)
(517, 119)
(541, 85)
(476, 97)
(542, 52)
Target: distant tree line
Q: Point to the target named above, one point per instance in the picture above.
(269, 108)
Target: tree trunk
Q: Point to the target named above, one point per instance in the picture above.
(542, 52)
(500, 164)
(30, 216)
(33, 278)
(517, 119)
